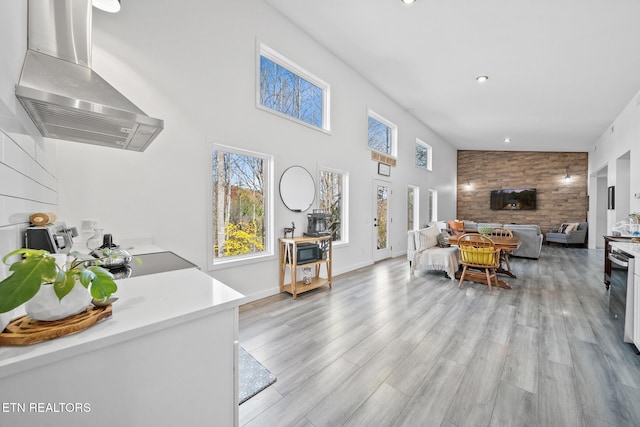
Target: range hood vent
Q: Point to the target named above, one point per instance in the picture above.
(63, 96)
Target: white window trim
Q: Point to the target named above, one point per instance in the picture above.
(345, 199)
(266, 51)
(269, 245)
(394, 133)
(429, 155)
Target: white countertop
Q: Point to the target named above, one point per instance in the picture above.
(146, 304)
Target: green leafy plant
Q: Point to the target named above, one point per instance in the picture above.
(485, 230)
(37, 267)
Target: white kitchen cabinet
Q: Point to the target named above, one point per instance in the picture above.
(167, 357)
(636, 310)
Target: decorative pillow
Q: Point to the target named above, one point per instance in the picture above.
(442, 242)
(563, 227)
(428, 238)
(570, 227)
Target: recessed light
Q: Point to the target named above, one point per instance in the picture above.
(482, 79)
(408, 1)
(507, 140)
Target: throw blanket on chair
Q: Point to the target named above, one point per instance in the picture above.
(424, 253)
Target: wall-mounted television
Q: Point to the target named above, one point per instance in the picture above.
(516, 199)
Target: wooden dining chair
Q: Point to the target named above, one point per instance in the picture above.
(455, 227)
(504, 254)
(479, 252)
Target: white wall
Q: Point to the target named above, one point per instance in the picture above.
(28, 180)
(193, 64)
(616, 151)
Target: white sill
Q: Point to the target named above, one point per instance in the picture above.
(239, 261)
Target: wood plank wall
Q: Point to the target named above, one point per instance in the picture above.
(28, 184)
(558, 201)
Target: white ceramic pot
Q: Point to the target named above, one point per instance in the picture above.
(46, 306)
(5, 318)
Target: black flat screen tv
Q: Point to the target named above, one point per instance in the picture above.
(514, 200)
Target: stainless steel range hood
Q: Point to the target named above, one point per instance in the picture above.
(63, 96)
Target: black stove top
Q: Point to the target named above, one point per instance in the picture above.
(156, 262)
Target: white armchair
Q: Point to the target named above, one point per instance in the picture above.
(424, 253)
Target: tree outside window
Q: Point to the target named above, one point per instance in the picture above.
(423, 155)
(239, 204)
(381, 134)
(413, 207)
(332, 200)
(287, 89)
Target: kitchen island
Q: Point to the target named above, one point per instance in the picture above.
(166, 357)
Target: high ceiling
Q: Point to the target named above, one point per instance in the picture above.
(560, 71)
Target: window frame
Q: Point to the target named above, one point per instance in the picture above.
(345, 201)
(416, 206)
(281, 60)
(394, 133)
(433, 205)
(429, 165)
(268, 197)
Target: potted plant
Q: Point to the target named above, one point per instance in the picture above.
(38, 268)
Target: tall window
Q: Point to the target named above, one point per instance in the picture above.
(423, 155)
(332, 199)
(241, 204)
(382, 134)
(287, 89)
(433, 205)
(413, 207)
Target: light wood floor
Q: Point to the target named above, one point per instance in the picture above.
(383, 348)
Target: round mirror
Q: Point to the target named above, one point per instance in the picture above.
(297, 189)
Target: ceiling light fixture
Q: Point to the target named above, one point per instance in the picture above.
(507, 140)
(482, 79)
(408, 1)
(112, 6)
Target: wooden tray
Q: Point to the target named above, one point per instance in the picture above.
(24, 330)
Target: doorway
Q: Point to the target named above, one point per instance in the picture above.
(381, 220)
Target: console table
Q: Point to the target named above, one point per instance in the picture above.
(288, 261)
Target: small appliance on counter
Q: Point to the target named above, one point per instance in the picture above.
(117, 257)
(305, 253)
(317, 224)
(54, 238)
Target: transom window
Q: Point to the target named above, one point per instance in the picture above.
(382, 134)
(333, 200)
(240, 204)
(287, 89)
(423, 155)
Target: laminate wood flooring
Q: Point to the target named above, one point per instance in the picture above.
(384, 348)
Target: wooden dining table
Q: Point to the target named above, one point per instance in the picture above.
(504, 243)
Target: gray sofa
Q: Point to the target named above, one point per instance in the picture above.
(574, 237)
(529, 234)
(531, 238)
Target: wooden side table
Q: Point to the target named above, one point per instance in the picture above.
(289, 261)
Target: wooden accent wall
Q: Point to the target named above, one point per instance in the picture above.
(557, 201)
